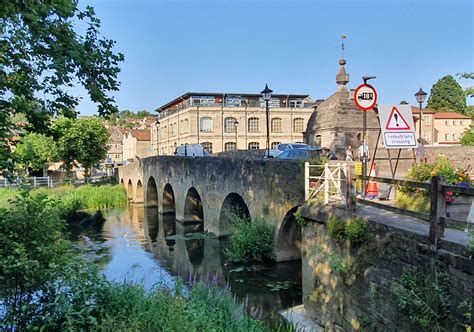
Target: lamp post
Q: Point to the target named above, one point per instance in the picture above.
(420, 98)
(158, 137)
(235, 128)
(267, 95)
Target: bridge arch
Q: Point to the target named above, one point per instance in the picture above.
(193, 211)
(233, 207)
(139, 192)
(122, 183)
(169, 204)
(151, 197)
(130, 190)
(289, 240)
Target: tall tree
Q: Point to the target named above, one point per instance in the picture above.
(35, 152)
(468, 136)
(447, 96)
(43, 55)
(81, 142)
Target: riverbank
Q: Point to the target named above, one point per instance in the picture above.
(46, 285)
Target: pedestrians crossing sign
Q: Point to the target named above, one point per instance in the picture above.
(398, 129)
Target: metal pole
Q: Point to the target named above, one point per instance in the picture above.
(364, 153)
(268, 128)
(421, 117)
(236, 123)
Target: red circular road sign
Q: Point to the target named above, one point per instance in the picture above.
(365, 97)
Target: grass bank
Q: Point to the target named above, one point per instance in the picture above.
(44, 285)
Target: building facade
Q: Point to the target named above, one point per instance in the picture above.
(224, 122)
(114, 147)
(441, 127)
(136, 144)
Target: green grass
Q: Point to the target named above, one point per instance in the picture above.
(6, 195)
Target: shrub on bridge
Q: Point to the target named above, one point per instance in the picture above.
(250, 241)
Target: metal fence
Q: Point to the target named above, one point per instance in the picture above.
(47, 181)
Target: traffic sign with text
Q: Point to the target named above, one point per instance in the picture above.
(398, 129)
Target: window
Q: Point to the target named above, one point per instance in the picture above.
(207, 146)
(276, 125)
(426, 136)
(461, 122)
(254, 146)
(272, 103)
(296, 103)
(173, 129)
(206, 124)
(446, 123)
(274, 145)
(446, 137)
(233, 101)
(230, 146)
(298, 125)
(454, 122)
(229, 125)
(186, 126)
(454, 137)
(253, 125)
(203, 101)
(426, 119)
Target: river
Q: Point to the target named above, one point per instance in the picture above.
(139, 245)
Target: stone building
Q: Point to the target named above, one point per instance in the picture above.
(114, 146)
(229, 121)
(441, 127)
(136, 144)
(337, 122)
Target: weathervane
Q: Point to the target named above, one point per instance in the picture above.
(343, 36)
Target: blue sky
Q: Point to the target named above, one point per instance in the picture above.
(172, 47)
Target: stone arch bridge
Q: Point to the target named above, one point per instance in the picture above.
(210, 192)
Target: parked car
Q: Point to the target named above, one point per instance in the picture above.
(300, 154)
(287, 146)
(191, 150)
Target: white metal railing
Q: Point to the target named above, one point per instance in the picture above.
(331, 181)
(46, 181)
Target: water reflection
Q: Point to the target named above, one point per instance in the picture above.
(141, 245)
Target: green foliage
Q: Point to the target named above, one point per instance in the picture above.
(469, 90)
(138, 115)
(357, 231)
(338, 263)
(35, 151)
(447, 96)
(423, 172)
(424, 297)
(32, 253)
(82, 141)
(337, 228)
(43, 55)
(250, 241)
(300, 220)
(468, 136)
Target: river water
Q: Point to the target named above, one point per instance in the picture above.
(137, 244)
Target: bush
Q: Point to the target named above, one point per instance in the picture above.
(357, 231)
(337, 228)
(250, 241)
(423, 172)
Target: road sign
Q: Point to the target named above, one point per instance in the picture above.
(365, 97)
(398, 129)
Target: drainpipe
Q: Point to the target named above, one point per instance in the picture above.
(197, 123)
(222, 122)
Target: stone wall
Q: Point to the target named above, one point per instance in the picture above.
(347, 288)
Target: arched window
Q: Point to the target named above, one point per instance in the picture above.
(276, 125)
(206, 124)
(181, 127)
(186, 126)
(230, 125)
(298, 125)
(254, 145)
(275, 144)
(207, 146)
(253, 125)
(230, 146)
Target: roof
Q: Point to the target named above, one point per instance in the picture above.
(190, 94)
(416, 110)
(450, 115)
(140, 134)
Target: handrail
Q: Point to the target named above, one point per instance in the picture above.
(459, 189)
(407, 183)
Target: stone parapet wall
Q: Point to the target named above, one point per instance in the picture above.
(347, 288)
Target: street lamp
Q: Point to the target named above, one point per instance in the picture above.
(157, 125)
(267, 95)
(235, 128)
(420, 98)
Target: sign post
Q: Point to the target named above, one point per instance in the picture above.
(398, 128)
(365, 97)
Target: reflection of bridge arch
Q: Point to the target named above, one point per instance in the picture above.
(151, 195)
(130, 190)
(289, 240)
(193, 211)
(233, 207)
(169, 204)
(138, 193)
